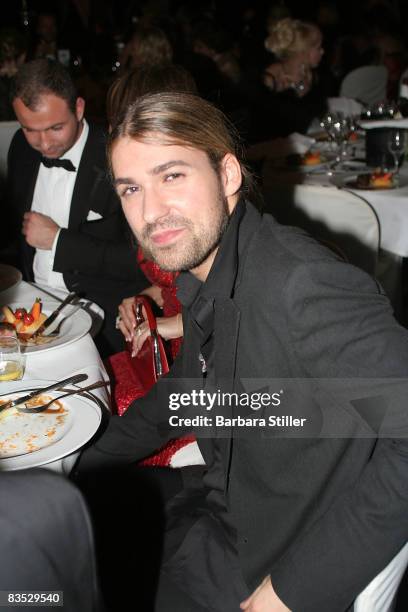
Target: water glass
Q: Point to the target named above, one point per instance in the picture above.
(396, 146)
(11, 359)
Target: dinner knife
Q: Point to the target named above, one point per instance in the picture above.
(51, 318)
(22, 400)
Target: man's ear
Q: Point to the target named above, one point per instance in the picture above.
(79, 108)
(231, 175)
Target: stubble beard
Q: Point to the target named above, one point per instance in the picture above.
(197, 244)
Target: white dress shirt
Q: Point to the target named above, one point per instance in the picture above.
(52, 197)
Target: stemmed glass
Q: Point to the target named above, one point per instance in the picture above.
(342, 130)
(327, 122)
(338, 128)
(396, 146)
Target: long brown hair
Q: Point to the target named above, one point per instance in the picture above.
(183, 119)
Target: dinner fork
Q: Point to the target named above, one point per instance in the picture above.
(43, 407)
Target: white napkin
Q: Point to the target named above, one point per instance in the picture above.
(348, 106)
(385, 123)
(298, 143)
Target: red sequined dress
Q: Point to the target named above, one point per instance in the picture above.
(167, 282)
(126, 389)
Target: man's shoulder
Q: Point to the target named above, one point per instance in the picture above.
(279, 255)
(95, 145)
(290, 245)
(19, 146)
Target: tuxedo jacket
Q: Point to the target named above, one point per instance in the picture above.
(96, 257)
(325, 511)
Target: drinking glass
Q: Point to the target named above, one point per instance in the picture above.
(11, 359)
(396, 146)
(327, 122)
(338, 128)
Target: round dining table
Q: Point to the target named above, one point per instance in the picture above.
(74, 354)
(390, 205)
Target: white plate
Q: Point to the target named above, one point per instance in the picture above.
(76, 325)
(83, 422)
(286, 165)
(9, 277)
(349, 182)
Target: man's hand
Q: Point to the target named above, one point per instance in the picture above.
(264, 599)
(39, 230)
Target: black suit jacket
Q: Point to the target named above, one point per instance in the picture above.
(97, 258)
(322, 514)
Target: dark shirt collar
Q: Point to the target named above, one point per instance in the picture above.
(198, 297)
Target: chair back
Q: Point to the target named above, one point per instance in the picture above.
(348, 106)
(367, 84)
(338, 218)
(7, 131)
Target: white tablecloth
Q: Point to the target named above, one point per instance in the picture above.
(391, 206)
(79, 356)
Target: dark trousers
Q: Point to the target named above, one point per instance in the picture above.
(127, 509)
(139, 533)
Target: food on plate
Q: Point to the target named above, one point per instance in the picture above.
(22, 433)
(25, 321)
(376, 180)
(311, 158)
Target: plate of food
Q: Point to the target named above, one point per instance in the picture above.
(373, 181)
(9, 277)
(307, 161)
(30, 440)
(71, 324)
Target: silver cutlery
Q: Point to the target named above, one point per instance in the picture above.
(43, 407)
(51, 318)
(25, 398)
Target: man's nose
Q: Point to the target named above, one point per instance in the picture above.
(154, 206)
(44, 143)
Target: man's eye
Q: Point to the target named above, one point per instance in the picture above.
(57, 128)
(171, 177)
(127, 191)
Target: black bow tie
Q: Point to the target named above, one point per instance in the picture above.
(58, 163)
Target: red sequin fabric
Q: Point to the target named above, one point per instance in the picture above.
(127, 387)
(167, 282)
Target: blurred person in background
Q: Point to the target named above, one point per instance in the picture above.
(46, 36)
(297, 47)
(147, 45)
(290, 95)
(13, 51)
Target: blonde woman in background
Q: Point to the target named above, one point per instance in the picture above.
(148, 45)
(297, 46)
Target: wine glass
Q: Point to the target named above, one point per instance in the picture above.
(338, 127)
(11, 360)
(396, 146)
(326, 123)
(342, 128)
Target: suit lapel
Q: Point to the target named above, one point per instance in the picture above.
(30, 172)
(91, 173)
(226, 326)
